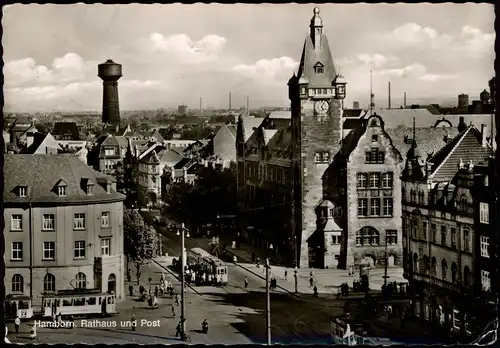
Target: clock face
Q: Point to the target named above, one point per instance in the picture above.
(322, 107)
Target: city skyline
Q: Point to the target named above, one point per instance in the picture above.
(428, 51)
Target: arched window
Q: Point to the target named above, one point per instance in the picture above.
(415, 262)
(454, 270)
(413, 196)
(17, 283)
(81, 281)
(467, 276)
(444, 269)
(427, 264)
(434, 267)
(49, 283)
(367, 236)
(463, 203)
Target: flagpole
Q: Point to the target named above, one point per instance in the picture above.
(371, 93)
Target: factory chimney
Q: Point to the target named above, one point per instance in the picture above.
(248, 105)
(404, 101)
(389, 95)
(110, 72)
(201, 109)
(230, 101)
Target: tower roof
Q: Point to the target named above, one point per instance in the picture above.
(316, 20)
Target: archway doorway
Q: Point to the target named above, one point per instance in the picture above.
(111, 283)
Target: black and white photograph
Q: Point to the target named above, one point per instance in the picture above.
(250, 174)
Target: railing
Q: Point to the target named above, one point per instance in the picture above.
(437, 282)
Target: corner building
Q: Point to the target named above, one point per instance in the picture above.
(63, 227)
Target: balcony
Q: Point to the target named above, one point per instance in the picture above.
(440, 283)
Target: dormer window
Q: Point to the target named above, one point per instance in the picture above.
(319, 68)
(108, 187)
(90, 190)
(23, 191)
(61, 191)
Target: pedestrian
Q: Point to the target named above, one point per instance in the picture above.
(176, 299)
(155, 302)
(156, 290)
(246, 282)
(258, 259)
(131, 290)
(17, 322)
(286, 273)
(133, 322)
(315, 290)
(178, 330)
(311, 281)
(33, 332)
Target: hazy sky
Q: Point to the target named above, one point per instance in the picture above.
(174, 54)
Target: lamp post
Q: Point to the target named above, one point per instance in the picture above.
(386, 260)
(268, 305)
(295, 276)
(183, 255)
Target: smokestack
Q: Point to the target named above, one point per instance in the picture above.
(248, 106)
(110, 72)
(389, 95)
(229, 101)
(201, 112)
(404, 101)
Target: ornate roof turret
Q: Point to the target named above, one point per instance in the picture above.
(316, 20)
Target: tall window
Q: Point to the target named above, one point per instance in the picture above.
(17, 250)
(413, 196)
(485, 280)
(485, 244)
(392, 237)
(444, 269)
(17, 283)
(81, 281)
(16, 222)
(374, 180)
(375, 206)
(61, 191)
(79, 249)
(105, 219)
(484, 216)
(79, 221)
(388, 207)
(362, 182)
(453, 238)
(414, 228)
(367, 236)
(466, 240)
(463, 203)
(454, 270)
(387, 180)
(415, 262)
(49, 250)
(105, 246)
(421, 197)
(22, 191)
(424, 229)
(362, 207)
(433, 267)
(467, 280)
(434, 233)
(443, 234)
(48, 222)
(49, 283)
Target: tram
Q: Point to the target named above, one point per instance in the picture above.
(76, 303)
(341, 334)
(218, 267)
(18, 306)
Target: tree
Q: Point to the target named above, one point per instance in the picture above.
(141, 241)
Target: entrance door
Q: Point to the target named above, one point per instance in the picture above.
(390, 261)
(111, 283)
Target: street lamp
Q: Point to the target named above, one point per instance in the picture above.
(183, 264)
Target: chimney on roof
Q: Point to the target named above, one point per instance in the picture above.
(484, 135)
(404, 101)
(389, 95)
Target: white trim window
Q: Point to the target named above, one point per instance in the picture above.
(49, 250)
(79, 249)
(484, 214)
(105, 219)
(79, 221)
(374, 180)
(106, 246)
(388, 207)
(16, 222)
(485, 244)
(48, 222)
(362, 206)
(485, 280)
(17, 251)
(17, 283)
(375, 207)
(23, 191)
(61, 191)
(362, 180)
(387, 180)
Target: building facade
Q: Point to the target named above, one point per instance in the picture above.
(63, 227)
(441, 231)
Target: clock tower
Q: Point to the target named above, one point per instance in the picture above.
(316, 94)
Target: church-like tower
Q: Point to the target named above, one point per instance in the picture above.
(316, 95)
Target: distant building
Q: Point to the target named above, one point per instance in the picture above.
(65, 131)
(177, 143)
(224, 148)
(182, 110)
(463, 101)
(63, 227)
(108, 151)
(41, 144)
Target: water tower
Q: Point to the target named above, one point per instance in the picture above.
(110, 72)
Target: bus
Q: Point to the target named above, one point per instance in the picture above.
(218, 267)
(18, 306)
(76, 303)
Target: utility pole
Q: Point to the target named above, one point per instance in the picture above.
(386, 260)
(371, 94)
(268, 305)
(183, 289)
